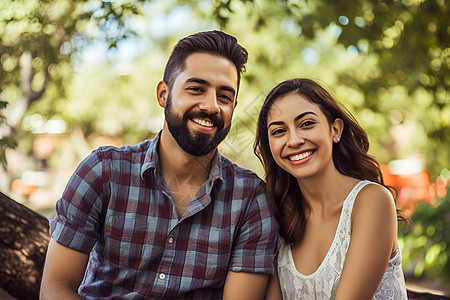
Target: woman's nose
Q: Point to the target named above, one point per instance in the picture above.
(295, 139)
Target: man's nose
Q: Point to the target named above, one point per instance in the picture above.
(210, 103)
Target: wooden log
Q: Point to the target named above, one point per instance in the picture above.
(424, 296)
(24, 239)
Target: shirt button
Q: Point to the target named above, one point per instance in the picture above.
(162, 276)
(170, 240)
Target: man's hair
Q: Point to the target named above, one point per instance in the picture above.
(213, 42)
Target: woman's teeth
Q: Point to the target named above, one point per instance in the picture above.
(300, 156)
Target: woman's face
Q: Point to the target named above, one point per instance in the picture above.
(300, 137)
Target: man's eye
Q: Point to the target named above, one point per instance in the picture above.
(226, 98)
(195, 89)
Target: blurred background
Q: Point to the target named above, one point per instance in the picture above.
(78, 74)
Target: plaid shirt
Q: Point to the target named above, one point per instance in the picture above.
(118, 208)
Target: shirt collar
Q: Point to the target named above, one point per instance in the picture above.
(151, 161)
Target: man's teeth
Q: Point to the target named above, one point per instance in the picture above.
(300, 156)
(203, 122)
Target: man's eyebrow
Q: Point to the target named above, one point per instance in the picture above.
(198, 80)
(228, 88)
(207, 83)
(295, 119)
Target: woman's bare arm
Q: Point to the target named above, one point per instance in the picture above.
(374, 236)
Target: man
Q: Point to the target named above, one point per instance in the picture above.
(169, 218)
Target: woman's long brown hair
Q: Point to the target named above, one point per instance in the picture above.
(349, 156)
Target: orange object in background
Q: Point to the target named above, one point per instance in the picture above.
(45, 145)
(441, 187)
(412, 185)
(21, 187)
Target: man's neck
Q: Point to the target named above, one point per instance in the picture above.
(183, 173)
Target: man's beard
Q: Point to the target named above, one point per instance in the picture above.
(195, 143)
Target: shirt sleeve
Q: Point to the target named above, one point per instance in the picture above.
(78, 212)
(255, 245)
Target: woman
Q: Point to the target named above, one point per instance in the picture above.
(338, 222)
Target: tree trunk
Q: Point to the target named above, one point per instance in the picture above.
(24, 239)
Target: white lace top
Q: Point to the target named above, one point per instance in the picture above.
(322, 284)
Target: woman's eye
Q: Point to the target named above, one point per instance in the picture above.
(307, 123)
(277, 131)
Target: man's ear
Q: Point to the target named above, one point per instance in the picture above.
(162, 92)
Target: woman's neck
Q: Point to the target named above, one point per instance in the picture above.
(325, 191)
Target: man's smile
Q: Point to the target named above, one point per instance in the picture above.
(203, 122)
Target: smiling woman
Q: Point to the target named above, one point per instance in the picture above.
(338, 222)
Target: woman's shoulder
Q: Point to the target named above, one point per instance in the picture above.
(373, 190)
(374, 199)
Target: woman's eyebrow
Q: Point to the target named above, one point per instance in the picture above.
(295, 119)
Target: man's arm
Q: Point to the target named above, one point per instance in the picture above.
(254, 251)
(273, 288)
(245, 286)
(63, 271)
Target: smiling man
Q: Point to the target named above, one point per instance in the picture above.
(169, 218)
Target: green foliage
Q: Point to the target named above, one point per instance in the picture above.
(39, 40)
(5, 142)
(125, 105)
(410, 39)
(426, 247)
